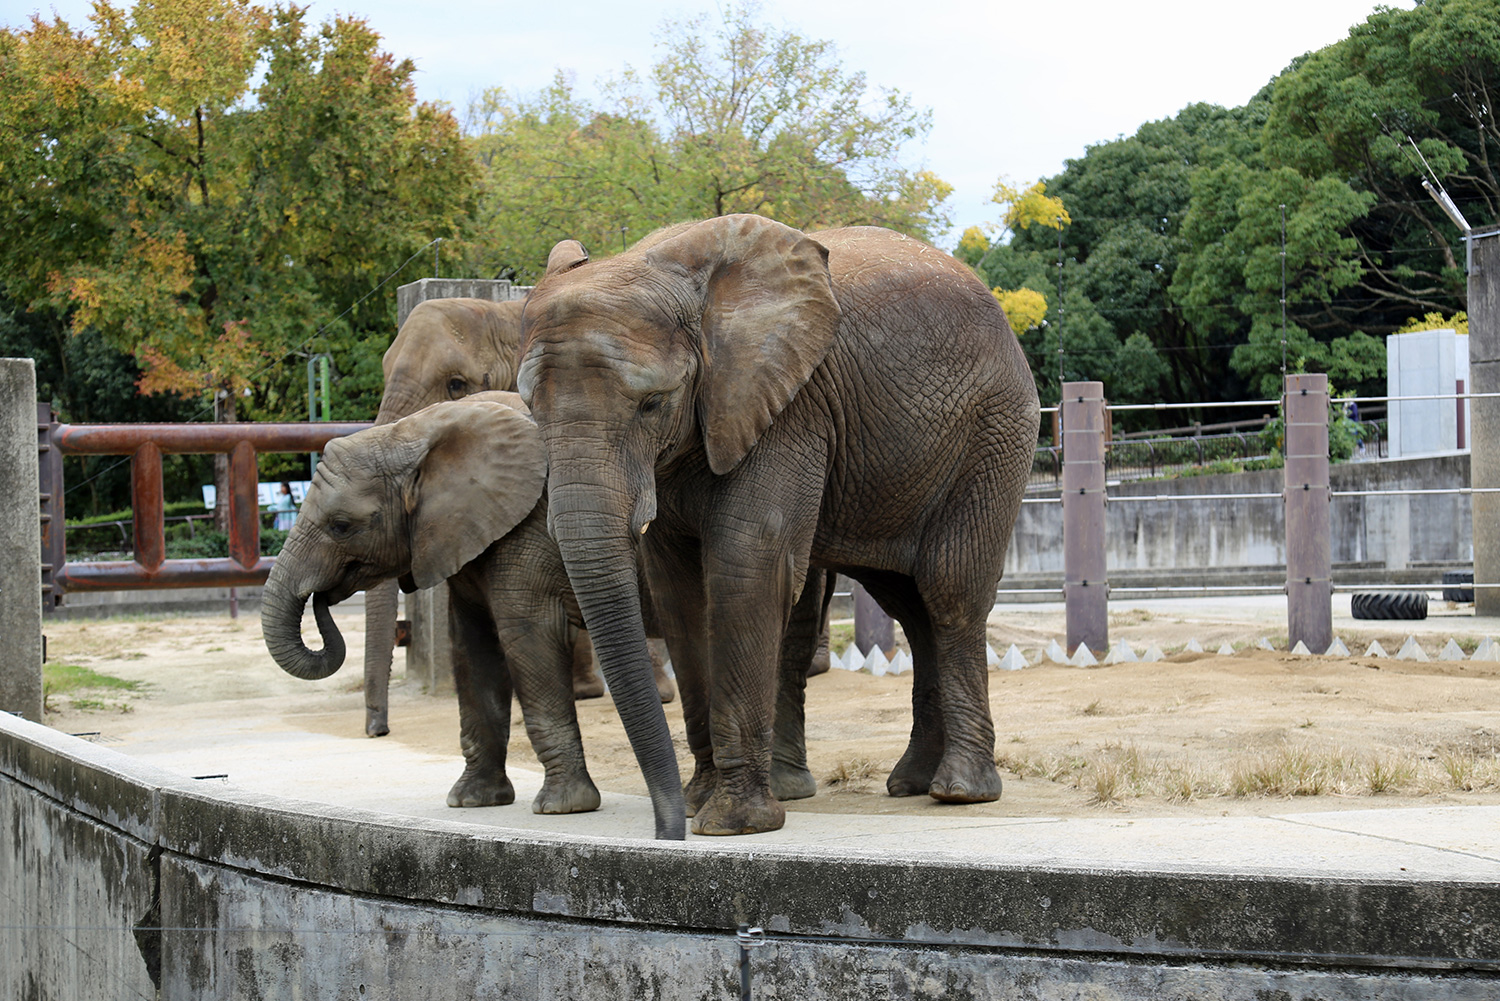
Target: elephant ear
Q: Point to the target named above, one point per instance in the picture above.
(769, 317)
(567, 255)
(483, 470)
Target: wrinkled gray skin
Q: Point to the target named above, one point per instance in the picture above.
(746, 404)
(374, 513)
(446, 350)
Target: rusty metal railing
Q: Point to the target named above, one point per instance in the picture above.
(146, 444)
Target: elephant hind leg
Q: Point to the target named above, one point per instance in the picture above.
(897, 595)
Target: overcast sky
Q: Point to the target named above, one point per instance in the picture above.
(1015, 88)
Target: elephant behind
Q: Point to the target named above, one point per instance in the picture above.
(449, 349)
(453, 492)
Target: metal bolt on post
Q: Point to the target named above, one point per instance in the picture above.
(749, 938)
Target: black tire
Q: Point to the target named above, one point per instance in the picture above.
(1458, 594)
(1389, 605)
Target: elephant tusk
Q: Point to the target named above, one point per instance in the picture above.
(644, 527)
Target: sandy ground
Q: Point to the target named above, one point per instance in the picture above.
(1193, 735)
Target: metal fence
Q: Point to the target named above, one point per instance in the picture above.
(146, 444)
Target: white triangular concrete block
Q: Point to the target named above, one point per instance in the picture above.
(991, 658)
(853, 659)
(1225, 649)
(1488, 649)
(1193, 646)
(1375, 650)
(1301, 649)
(1056, 653)
(1264, 643)
(901, 663)
(1083, 657)
(1121, 653)
(1410, 650)
(1153, 654)
(1336, 649)
(1013, 659)
(876, 662)
(1452, 651)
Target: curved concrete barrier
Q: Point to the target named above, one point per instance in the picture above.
(120, 879)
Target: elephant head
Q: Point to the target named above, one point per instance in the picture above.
(448, 349)
(691, 343)
(418, 497)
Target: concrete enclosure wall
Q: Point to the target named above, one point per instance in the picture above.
(120, 879)
(1381, 533)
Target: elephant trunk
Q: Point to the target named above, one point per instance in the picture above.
(600, 558)
(281, 621)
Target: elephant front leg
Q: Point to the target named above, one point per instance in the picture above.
(749, 606)
(482, 679)
(675, 576)
(540, 658)
(790, 777)
(587, 684)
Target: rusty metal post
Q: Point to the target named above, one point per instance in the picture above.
(1085, 578)
(872, 627)
(1309, 552)
(20, 551)
(146, 502)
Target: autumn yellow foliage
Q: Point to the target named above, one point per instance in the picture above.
(1436, 321)
(1025, 308)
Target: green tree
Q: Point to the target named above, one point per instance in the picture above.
(203, 222)
(733, 117)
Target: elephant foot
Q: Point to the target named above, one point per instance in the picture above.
(588, 688)
(913, 774)
(820, 658)
(699, 788)
(570, 794)
(724, 814)
(972, 783)
(792, 781)
(377, 722)
(488, 788)
(665, 686)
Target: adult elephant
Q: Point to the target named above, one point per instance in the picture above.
(449, 349)
(452, 492)
(745, 402)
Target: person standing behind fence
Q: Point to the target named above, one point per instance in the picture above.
(285, 508)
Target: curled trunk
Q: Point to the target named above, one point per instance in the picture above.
(281, 621)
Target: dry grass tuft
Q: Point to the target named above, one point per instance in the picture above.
(852, 774)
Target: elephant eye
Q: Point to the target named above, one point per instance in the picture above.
(457, 386)
(652, 402)
(339, 528)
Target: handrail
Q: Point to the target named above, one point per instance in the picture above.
(146, 444)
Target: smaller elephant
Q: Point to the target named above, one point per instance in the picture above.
(453, 492)
(449, 349)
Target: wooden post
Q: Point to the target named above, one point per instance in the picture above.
(1085, 577)
(1309, 554)
(872, 627)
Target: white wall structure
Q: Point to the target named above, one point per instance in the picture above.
(1422, 363)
